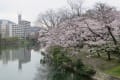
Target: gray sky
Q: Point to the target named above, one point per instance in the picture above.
(31, 8)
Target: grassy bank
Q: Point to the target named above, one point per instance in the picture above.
(100, 64)
(115, 71)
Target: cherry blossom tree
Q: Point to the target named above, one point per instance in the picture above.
(67, 31)
(105, 15)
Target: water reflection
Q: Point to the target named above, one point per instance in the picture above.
(57, 70)
(22, 55)
(19, 63)
(42, 73)
(48, 73)
(24, 64)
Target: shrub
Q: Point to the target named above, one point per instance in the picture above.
(63, 63)
(108, 49)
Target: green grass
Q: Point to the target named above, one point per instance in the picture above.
(111, 68)
(115, 71)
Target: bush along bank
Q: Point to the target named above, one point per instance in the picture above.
(109, 51)
(64, 65)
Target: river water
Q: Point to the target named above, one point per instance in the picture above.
(21, 64)
(25, 64)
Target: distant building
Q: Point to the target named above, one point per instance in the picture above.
(6, 28)
(10, 29)
(17, 31)
(24, 27)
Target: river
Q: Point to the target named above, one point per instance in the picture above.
(21, 64)
(24, 63)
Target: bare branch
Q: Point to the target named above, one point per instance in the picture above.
(76, 6)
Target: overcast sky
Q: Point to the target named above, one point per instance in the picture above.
(31, 8)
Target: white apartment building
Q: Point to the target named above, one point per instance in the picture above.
(17, 31)
(10, 29)
(6, 28)
(24, 27)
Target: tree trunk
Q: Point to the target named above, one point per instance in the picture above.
(109, 57)
(93, 32)
(98, 54)
(111, 34)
